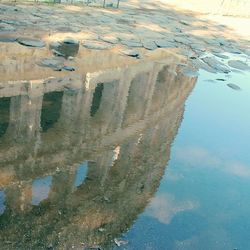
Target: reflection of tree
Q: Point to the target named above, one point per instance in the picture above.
(127, 164)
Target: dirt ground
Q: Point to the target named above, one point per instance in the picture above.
(134, 27)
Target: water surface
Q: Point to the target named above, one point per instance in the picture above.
(142, 153)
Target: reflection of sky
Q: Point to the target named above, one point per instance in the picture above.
(81, 173)
(203, 200)
(2, 202)
(40, 189)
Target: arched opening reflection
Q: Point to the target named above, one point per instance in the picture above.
(4, 114)
(97, 97)
(51, 109)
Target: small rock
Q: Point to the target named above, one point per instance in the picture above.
(68, 68)
(129, 52)
(233, 86)
(31, 42)
(119, 242)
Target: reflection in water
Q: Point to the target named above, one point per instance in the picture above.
(51, 109)
(96, 101)
(40, 189)
(81, 174)
(109, 136)
(65, 49)
(2, 201)
(4, 114)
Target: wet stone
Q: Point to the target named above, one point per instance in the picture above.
(233, 86)
(96, 45)
(237, 64)
(30, 42)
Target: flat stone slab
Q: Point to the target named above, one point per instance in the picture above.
(96, 45)
(30, 42)
(237, 64)
(164, 44)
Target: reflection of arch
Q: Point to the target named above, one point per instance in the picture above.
(51, 109)
(160, 92)
(4, 114)
(96, 100)
(137, 99)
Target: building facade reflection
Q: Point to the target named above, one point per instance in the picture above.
(81, 157)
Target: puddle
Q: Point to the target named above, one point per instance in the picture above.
(142, 156)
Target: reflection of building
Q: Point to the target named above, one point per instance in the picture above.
(120, 123)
